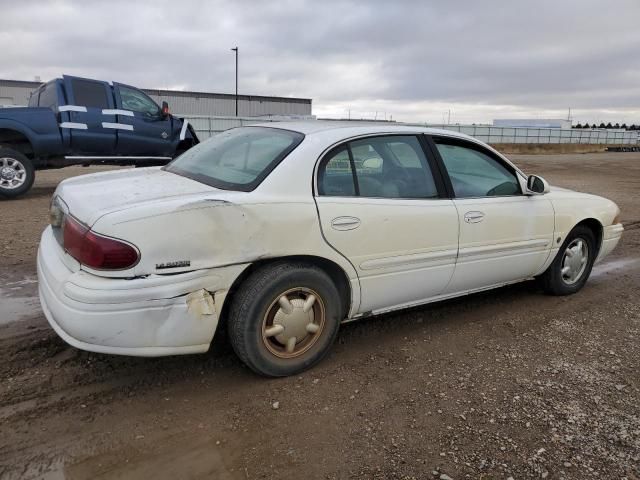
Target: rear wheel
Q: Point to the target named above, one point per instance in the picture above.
(572, 266)
(16, 173)
(284, 318)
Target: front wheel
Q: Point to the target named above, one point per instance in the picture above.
(16, 173)
(572, 266)
(284, 318)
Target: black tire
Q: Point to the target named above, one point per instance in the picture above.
(553, 281)
(258, 296)
(17, 162)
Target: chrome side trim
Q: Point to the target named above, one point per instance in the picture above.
(116, 111)
(72, 108)
(78, 126)
(183, 131)
(114, 157)
(117, 126)
(500, 248)
(416, 258)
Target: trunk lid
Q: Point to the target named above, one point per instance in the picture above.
(89, 197)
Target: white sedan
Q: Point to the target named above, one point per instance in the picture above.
(282, 232)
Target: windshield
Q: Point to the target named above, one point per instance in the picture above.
(236, 159)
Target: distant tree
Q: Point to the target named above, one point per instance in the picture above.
(617, 125)
(609, 125)
(579, 125)
(633, 127)
(594, 126)
(624, 125)
(602, 125)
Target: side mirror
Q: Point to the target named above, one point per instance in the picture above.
(165, 109)
(537, 185)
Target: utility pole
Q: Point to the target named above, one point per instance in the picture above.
(235, 49)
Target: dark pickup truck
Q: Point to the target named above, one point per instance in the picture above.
(78, 121)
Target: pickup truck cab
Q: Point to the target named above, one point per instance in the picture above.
(79, 121)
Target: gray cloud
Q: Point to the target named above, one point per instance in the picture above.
(412, 59)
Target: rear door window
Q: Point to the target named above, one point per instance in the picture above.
(382, 167)
(90, 94)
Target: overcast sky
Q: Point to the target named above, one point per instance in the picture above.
(413, 60)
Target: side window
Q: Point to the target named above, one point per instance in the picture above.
(335, 177)
(392, 167)
(384, 167)
(137, 101)
(33, 99)
(49, 96)
(474, 173)
(90, 94)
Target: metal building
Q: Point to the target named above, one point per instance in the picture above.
(17, 92)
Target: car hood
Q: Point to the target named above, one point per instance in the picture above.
(89, 197)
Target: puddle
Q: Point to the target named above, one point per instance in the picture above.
(19, 300)
(606, 267)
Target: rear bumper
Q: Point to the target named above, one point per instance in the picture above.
(151, 316)
(610, 237)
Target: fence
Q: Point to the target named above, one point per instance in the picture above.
(206, 126)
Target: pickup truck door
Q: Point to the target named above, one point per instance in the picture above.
(91, 130)
(146, 131)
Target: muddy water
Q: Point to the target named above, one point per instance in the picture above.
(18, 300)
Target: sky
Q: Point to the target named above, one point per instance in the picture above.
(462, 61)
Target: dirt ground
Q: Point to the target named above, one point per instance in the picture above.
(509, 383)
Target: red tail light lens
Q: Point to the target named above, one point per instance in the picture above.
(96, 251)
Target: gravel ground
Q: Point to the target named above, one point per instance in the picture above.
(508, 383)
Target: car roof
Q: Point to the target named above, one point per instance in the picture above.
(353, 128)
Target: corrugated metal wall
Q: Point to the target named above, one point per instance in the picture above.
(225, 105)
(186, 103)
(16, 93)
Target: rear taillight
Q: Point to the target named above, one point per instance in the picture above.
(96, 251)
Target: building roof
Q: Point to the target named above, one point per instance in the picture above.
(176, 93)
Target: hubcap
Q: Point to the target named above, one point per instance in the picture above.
(574, 261)
(12, 173)
(293, 322)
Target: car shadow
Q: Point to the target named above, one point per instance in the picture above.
(220, 360)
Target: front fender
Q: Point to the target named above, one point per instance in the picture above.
(571, 208)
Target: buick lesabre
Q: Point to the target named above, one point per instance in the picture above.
(283, 232)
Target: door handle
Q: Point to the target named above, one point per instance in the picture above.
(345, 223)
(473, 217)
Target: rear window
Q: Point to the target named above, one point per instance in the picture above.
(49, 96)
(237, 159)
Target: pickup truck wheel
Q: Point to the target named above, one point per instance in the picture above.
(16, 173)
(284, 318)
(572, 266)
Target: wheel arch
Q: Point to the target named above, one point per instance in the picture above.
(596, 227)
(335, 272)
(17, 140)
